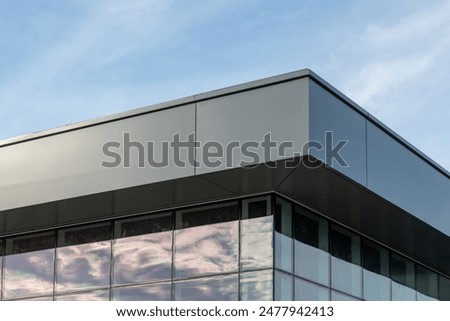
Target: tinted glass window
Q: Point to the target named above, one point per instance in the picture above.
(30, 243)
(310, 229)
(426, 281)
(345, 245)
(283, 217)
(206, 215)
(444, 288)
(82, 235)
(256, 207)
(143, 225)
(375, 258)
(402, 270)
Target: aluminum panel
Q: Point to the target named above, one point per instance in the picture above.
(406, 180)
(345, 126)
(70, 164)
(238, 123)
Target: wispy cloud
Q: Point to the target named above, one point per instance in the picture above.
(400, 53)
(399, 72)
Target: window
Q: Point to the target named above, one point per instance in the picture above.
(402, 270)
(345, 245)
(206, 215)
(375, 258)
(310, 229)
(426, 281)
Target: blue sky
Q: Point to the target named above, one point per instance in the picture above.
(66, 61)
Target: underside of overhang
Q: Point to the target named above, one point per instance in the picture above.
(312, 184)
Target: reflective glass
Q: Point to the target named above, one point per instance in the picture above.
(423, 297)
(206, 215)
(283, 217)
(29, 266)
(99, 295)
(143, 225)
(402, 270)
(284, 245)
(284, 284)
(310, 229)
(307, 291)
(256, 207)
(346, 277)
(41, 298)
(375, 258)
(217, 288)
(284, 248)
(257, 286)
(402, 293)
(337, 296)
(80, 264)
(426, 282)
(312, 263)
(256, 243)
(144, 252)
(376, 287)
(157, 292)
(444, 288)
(345, 245)
(206, 249)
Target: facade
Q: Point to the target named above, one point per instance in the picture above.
(277, 189)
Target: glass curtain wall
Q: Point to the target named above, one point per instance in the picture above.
(259, 248)
(325, 261)
(222, 251)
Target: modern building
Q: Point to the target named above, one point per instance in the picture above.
(277, 189)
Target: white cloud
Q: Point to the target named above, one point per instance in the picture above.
(399, 54)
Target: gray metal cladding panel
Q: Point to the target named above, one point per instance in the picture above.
(344, 124)
(69, 164)
(246, 117)
(406, 180)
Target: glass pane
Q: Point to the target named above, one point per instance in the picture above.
(312, 263)
(80, 264)
(143, 257)
(402, 270)
(158, 292)
(284, 284)
(307, 291)
(345, 245)
(283, 217)
(376, 287)
(346, 277)
(83, 235)
(100, 295)
(426, 282)
(144, 225)
(284, 245)
(29, 266)
(375, 258)
(256, 243)
(284, 248)
(423, 297)
(41, 298)
(402, 293)
(206, 249)
(310, 229)
(444, 288)
(207, 215)
(336, 296)
(257, 286)
(218, 288)
(256, 207)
